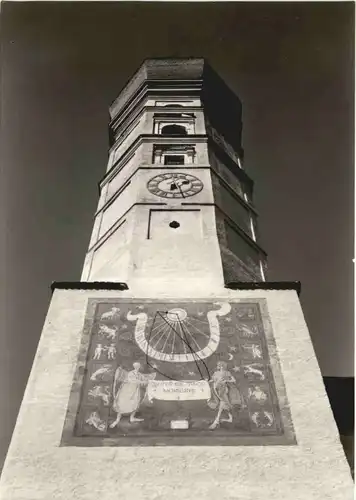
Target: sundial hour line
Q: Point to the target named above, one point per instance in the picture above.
(163, 333)
(202, 333)
(174, 340)
(169, 334)
(162, 356)
(159, 324)
(184, 346)
(201, 321)
(196, 343)
(195, 355)
(162, 328)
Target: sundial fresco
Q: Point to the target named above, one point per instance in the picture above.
(182, 373)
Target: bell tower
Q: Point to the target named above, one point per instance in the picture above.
(175, 202)
(173, 369)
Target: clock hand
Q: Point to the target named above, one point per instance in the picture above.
(176, 185)
(180, 189)
(182, 183)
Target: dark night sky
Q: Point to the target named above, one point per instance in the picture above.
(291, 64)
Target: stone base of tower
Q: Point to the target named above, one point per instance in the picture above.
(275, 438)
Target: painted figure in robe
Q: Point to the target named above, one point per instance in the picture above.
(224, 393)
(129, 391)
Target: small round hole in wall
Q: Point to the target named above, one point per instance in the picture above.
(174, 224)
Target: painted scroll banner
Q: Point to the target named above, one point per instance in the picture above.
(178, 390)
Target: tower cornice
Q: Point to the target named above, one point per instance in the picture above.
(149, 87)
(159, 69)
(265, 285)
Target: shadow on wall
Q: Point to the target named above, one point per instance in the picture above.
(348, 443)
(341, 395)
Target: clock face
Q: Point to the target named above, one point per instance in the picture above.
(174, 185)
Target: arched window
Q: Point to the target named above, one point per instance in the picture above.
(174, 130)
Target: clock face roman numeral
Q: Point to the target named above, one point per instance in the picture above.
(174, 185)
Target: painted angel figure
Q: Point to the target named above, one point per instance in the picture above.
(129, 391)
(224, 393)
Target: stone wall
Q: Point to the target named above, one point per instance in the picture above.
(38, 467)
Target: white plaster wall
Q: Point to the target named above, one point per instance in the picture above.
(118, 207)
(110, 260)
(202, 156)
(115, 269)
(144, 153)
(126, 143)
(120, 177)
(86, 267)
(96, 228)
(200, 123)
(142, 125)
(102, 197)
(106, 255)
(190, 221)
(36, 467)
(186, 256)
(178, 265)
